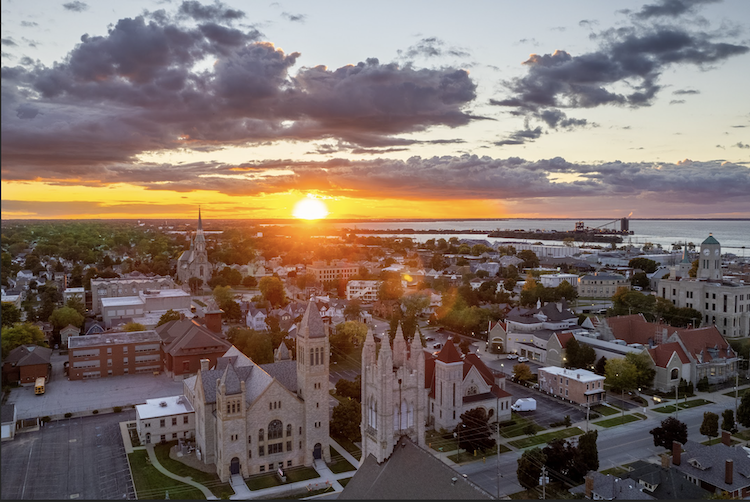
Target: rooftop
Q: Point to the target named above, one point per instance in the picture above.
(164, 407)
(578, 374)
(80, 342)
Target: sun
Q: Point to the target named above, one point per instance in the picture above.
(310, 208)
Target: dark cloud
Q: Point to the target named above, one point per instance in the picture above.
(432, 47)
(677, 102)
(555, 118)
(686, 91)
(742, 145)
(138, 89)
(218, 12)
(521, 136)
(29, 24)
(670, 8)
(76, 6)
(8, 42)
(588, 22)
(295, 18)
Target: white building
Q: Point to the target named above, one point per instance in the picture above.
(554, 280)
(137, 308)
(71, 292)
(165, 419)
(365, 291)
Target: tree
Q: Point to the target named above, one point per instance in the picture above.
(727, 421)
(345, 420)
(10, 314)
(169, 315)
(345, 336)
(438, 262)
(390, 289)
(348, 389)
(710, 425)
(530, 467)
(133, 326)
(272, 290)
(474, 432)
(522, 372)
(254, 344)
(76, 303)
(640, 279)
(669, 431)
(588, 450)
(529, 257)
(621, 375)
(21, 334)
(353, 310)
(644, 371)
(465, 345)
(65, 315)
(626, 301)
(232, 311)
(600, 365)
(648, 266)
(743, 410)
(195, 283)
(223, 296)
(414, 304)
(578, 355)
(249, 281)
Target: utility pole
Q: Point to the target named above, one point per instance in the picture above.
(544, 484)
(497, 446)
(676, 400)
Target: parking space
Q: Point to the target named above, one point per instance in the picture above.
(548, 409)
(79, 458)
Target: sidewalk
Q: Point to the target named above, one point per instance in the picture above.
(155, 462)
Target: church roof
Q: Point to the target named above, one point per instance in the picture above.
(283, 371)
(185, 336)
(312, 324)
(710, 240)
(448, 354)
(661, 354)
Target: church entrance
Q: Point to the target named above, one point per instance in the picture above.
(317, 451)
(234, 466)
(148, 437)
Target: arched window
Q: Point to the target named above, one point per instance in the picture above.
(261, 435)
(288, 430)
(275, 430)
(675, 374)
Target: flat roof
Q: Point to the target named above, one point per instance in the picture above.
(164, 293)
(164, 407)
(74, 290)
(577, 374)
(78, 342)
(122, 301)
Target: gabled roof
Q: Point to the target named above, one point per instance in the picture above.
(29, 355)
(563, 338)
(632, 328)
(661, 354)
(410, 473)
(705, 344)
(472, 359)
(712, 459)
(448, 354)
(671, 484)
(187, 335)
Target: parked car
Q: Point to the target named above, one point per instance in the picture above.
(438, 346)
(523, 359)
(430, 339)
(511, 356)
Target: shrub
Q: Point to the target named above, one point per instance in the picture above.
(68, 415)
(703, 384)
(95, 412)
(46, 419)
(117, 409)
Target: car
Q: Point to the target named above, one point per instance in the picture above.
(438, 346)
(523, 359)
(511, 356)
(430, 339)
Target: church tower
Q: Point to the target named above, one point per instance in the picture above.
(194, 262)
(313, 352)
(200, 239)
(449, 367)
(709, 266)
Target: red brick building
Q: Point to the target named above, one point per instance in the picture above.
(26, 363)
(186, 342)
(112, 354)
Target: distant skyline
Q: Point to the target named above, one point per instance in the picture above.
(396, 110)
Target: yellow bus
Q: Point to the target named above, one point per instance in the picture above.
(39, 386)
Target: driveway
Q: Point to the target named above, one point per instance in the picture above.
(78, 458)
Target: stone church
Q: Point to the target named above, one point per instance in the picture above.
(194, 261)
(406, 390)
(252, 418)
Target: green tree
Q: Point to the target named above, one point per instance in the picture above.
(195, 284)
(133, 326)
(670, 430)
(640, 279)
(621, 375)
(76, 303)
(727, 421)
(529, 257)
(272, 291)
(644, 369)
(710, 425)
(254, 344)
(599, 367)
(21, 334)
(249, 281)
(530, 467)
(522, 372)
(168, 316)
(567, 291)
(743, 410)
(579, 355)
(390, 289)
(10, 314)
(345, 420)
(626, 301)
(223, 295)
(648, 266)
(588, 450)
(474, 432)
(65, 315)
(353, 310)
(345, 336)
(350, 389)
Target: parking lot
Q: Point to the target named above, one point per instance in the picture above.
(548, 409)
(77, 458)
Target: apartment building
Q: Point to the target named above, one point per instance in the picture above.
(601, 285)
(112, 354)
(338, 269)
(364, 291)
(576, 385)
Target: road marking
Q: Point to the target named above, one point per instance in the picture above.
(72, 440)
(75, 495)
(28, 463)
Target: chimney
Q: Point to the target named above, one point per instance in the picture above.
(726, 438)
(204, 364)
(728, 471)
(213, 321)
(676, 452)
(589, 486)
(665, 461)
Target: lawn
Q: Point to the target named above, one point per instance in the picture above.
(269, 480)
(604, 410)
(352, 448)
(740, 393)
(344, 482)
(435, 441)
(617, 471)
(516, 429)
(209, 480)
(618, 420)
(682, 406)
(152, 484)
(546, 438)
(744, 435)
(338, 463)
(466, 456)
(714, 441)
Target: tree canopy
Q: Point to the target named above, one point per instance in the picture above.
(670, 430)
(710, 425)
(474, 432)
(169, 315)
(10, 314)
(272, 290)
(65, 315)
(345, 420)
(578, 355)
(530, 467)
(644, 370)
(621, 374)
(133, 326)
(645, 264)
(21, 334)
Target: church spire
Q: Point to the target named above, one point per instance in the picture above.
(200, 222)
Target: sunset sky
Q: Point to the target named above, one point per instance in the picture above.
(388, 109)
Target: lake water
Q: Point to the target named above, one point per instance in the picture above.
(734, 235)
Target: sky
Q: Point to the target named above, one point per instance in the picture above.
(419, 109)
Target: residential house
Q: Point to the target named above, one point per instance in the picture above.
(24, 364)
(256, 318)
(598, 486)
(67, 332)
(664, 482)
(718, 468)
(529, 329)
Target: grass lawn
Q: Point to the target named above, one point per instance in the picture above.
(640, 415)
(344, 482)
(435, 440)
(713, 441)
(293, 474)
(604, 410)
(618, 420)
(744, 435)
(516, 430)
(466, 456)
(682, 406)
(352, 448)
(152, 484)
(546, 438)
(338, 463)
(209, 480)
(617, 471)
(740, 393)
(338, 398)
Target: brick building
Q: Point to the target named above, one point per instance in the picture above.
(186, 342)
(338, 269)
(26, 363)
(112, 354)
(576, 385)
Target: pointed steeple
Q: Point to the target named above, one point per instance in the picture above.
(312, 324)
(200, 221)
(399, 347)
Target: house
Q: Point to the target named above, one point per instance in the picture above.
(24, 364)
(409, 473)
(575, 385)
(256, 318)
(598, 486)
(406, 389)
(67, 332)
(8, 417)
(252, 418)
(186, 342)
(165, 419)
(528, 330)
(664, 482)
(718, 468)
